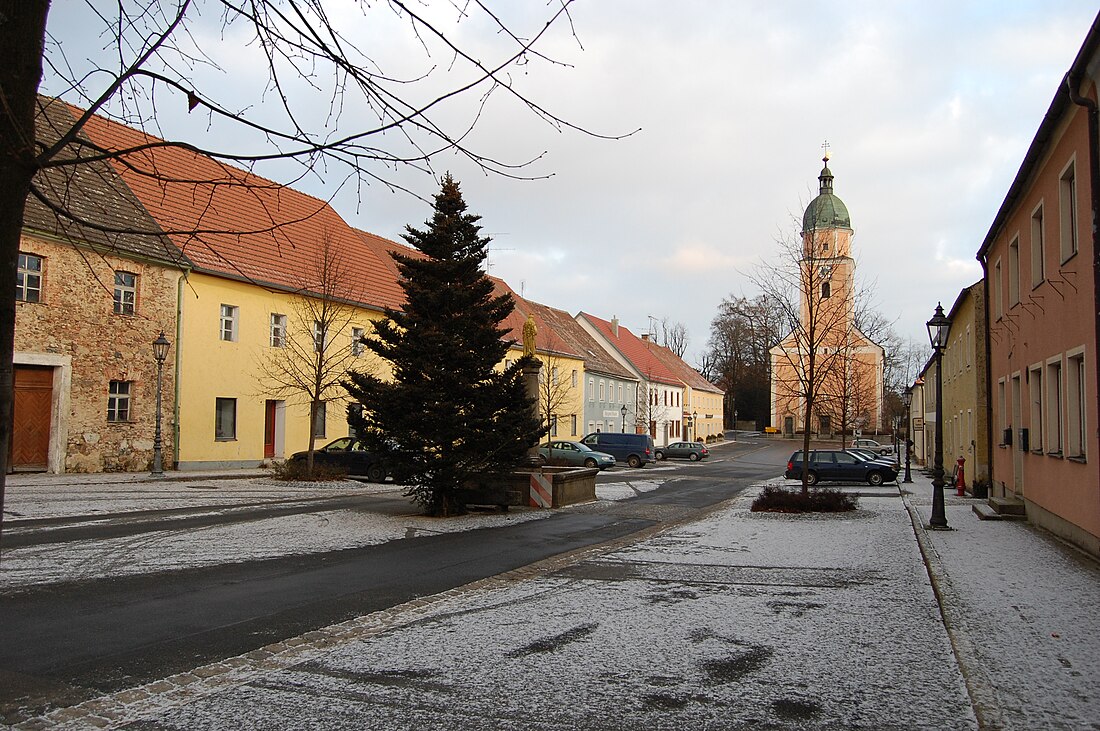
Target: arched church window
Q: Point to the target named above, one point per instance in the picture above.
(826, 290)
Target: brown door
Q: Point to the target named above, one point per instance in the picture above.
(269, 429)
(30, 441)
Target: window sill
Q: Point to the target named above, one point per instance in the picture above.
(1078, 460)
(225, 439)
(1056, 455)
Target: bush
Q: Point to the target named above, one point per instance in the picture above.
(777, 499)
(293, 470)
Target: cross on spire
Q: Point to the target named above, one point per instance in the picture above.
(825, 146)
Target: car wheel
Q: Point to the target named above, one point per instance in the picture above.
(376, 473)
(543, 459)
(634, 461)
(811, 478)
(875, 478)
(694, 457)
(590, 463)
(658, 456)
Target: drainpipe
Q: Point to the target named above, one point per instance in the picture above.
(988, 379)
(1094, 185)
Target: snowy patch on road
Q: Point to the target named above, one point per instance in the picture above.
(626, 490)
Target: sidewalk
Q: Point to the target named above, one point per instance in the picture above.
(1021, 609)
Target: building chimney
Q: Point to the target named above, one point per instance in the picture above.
(645, 337)
(615, 326)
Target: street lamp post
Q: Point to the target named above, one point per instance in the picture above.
(623, 412)
(695, 425)
(938, 327)
(160, 353)
(907, 399)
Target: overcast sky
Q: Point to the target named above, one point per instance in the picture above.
(928, 108)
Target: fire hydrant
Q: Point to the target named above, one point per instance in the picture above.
(960, 478)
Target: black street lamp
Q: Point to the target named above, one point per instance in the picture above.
(937, 334)
(695, 425)
(623, 412)
(907, 399)
(160, 353)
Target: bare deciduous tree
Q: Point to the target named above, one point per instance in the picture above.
(738, 356)
(299, 87)
(312, 350)
(674, 336)
(798, 281)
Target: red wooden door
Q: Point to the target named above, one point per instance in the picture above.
(30, 442)
(269, 429)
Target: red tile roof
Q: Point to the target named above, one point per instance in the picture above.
(683, 371)
(635, 350)
(232, 223)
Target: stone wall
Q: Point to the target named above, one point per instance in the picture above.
(74, 328)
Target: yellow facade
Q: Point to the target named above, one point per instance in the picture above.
(707, 409)
(564, 395)
(212, 368)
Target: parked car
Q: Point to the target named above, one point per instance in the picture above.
(872, 456)
(347, 453)
(574, 453)
(682, 450)
(634, 449)
(837, 465)
(873, 446)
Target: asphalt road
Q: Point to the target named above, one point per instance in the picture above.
(63, 643)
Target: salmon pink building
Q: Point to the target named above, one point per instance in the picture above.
(1041, 280)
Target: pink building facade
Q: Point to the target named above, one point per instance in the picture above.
(1041, 277)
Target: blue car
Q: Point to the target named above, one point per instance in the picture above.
(837, 465)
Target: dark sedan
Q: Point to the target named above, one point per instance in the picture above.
(836, 465)
(682, 450)
(347, 453)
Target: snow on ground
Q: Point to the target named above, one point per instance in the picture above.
(255, 539)
(738, 621)
(1024, 608)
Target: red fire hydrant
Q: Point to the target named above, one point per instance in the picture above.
(960, 478)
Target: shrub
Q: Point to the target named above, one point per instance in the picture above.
(293, 470)
(777, 499)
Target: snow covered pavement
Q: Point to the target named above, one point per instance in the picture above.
(738, 620)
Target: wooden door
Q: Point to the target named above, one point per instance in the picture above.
(269, 428)
(30, 443)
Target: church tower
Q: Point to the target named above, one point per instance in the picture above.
(827, 252)
(826, 349)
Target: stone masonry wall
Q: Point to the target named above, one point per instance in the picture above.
(75, 318)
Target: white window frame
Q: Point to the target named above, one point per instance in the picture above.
(230, 314)
(125, 292)
(1067, 211)
(1014, 272)
(277, 330)
(998, 291)
(1077, 393)
(1054, 406)
(1038, 247)
(119, 401)
(28, 285)
(357, 346)
(1037, 403)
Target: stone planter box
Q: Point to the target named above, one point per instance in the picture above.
(569, 485)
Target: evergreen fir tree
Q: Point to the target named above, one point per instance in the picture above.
(449, 414)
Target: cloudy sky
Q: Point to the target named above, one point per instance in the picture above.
(928, 108)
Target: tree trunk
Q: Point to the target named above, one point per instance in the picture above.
(22, 33)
